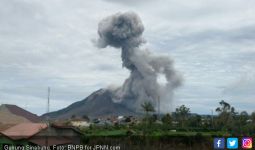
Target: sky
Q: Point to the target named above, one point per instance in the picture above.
(49, 43)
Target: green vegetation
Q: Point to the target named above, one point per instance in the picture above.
(182, 123)
(182, 115)
(4, 141)
(155, 130)
(233, 122)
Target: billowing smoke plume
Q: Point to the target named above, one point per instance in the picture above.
(124, 30)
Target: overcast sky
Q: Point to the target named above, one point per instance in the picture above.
(48, 43)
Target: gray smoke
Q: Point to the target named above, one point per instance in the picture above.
(124, 30)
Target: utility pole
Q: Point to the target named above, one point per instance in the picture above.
(48, 104)
(158, 107)
(212, 119)
(47, 118)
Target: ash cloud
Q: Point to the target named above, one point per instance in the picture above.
(124, 31)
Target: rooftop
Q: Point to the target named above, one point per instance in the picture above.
(24, 130)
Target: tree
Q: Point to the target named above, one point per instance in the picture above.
(167, 119)
(253, 117)
(244, 116)
(227, 116)
(195, 121)
(153, 118)
(182, 114)
(225, 107)
(147, 107)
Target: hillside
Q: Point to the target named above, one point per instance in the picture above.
(98, 104)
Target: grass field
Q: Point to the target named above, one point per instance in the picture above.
(147, 132)
(157, 139)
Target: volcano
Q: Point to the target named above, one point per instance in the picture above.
(98, 104)
(125, 31)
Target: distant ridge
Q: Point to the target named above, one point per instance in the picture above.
(12, 114)
(98, 104)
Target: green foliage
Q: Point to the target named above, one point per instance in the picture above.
(167, 119)
(227, 122)
(237, 124)
(147, 107)
(182, 114)
(253, 117)
(225, 107)
(195, 121)
(227, 116)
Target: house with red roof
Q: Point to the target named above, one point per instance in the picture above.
(40, 134)
(12, 114)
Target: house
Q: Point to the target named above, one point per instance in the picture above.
(18, 134)
(79, 122)
(12, 114)
(115, 120)
(127, 120)
(40, 134)
(5, 126)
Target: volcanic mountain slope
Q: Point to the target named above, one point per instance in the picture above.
(98, 104)
(12, 114)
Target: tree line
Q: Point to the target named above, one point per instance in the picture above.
(227, 119)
